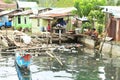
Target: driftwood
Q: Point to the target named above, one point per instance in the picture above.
(54, 56)
(3, 41)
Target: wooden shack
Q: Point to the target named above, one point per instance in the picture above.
(21, 19)
(5, 17)
(112, 21)
(52, 15)
(39, 24)
(51, 18)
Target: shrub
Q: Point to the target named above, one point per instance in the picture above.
(100, 29)
(8, 1)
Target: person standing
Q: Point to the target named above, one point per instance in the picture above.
(94, 36)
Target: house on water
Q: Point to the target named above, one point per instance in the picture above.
(36, 18)
(49, 18)
(6, 18)
(21, 19)
(113, 21)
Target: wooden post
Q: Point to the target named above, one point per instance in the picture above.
(117, 29)
(59, 36)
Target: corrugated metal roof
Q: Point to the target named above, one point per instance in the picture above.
(111, 9)
(55, 15)
(114, 10)
(23, 4)
(57, 12)
(30, 11)
(7, 12)
(24, 13)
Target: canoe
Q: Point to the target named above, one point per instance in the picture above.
(23, 75)
(23, 59)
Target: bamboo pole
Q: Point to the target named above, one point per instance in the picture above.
(50, 54)
(101, 47)
(58, 60)
(54, 56)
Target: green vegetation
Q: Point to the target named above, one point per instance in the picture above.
(89, 71)
(87, 8)
(86, 25)
(100, 28)
(87, 75)
(64, 3)
(54, 3)
(91, 10)
(67, 3)
(8, 1)
(113, 2)
(97, 19)
(84, 7)
(34, 1)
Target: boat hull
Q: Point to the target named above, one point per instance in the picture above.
(23, 61)
(22, 73)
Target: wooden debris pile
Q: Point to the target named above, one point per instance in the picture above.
(19, 40)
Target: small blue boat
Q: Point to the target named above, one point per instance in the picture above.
(23, 59)
(23, 75)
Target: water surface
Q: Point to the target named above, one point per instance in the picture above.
(75, 67)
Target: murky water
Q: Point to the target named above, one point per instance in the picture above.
(75, 67)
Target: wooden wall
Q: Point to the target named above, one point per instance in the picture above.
(114, 28)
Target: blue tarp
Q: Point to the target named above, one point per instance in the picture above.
(8, 24)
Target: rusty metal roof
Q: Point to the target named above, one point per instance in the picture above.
(24, 13)
(57, 12)
(54, 15)
(30, 11)
(7, 12)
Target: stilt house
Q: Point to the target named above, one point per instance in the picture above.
(112, 21)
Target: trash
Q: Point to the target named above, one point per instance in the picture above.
(26, 39)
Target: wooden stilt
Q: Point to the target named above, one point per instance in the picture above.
(59, 36)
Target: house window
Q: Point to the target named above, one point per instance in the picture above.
(19, 19)
(25, 20)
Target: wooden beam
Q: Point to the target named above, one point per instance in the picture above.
(117, 29)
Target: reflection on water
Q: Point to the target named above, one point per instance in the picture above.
(76, 67)
(7, 69)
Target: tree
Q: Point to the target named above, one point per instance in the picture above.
(85, 6)
(54, 3)
(91, 10)
(8, 1)
(34, 1)
(64, 3)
